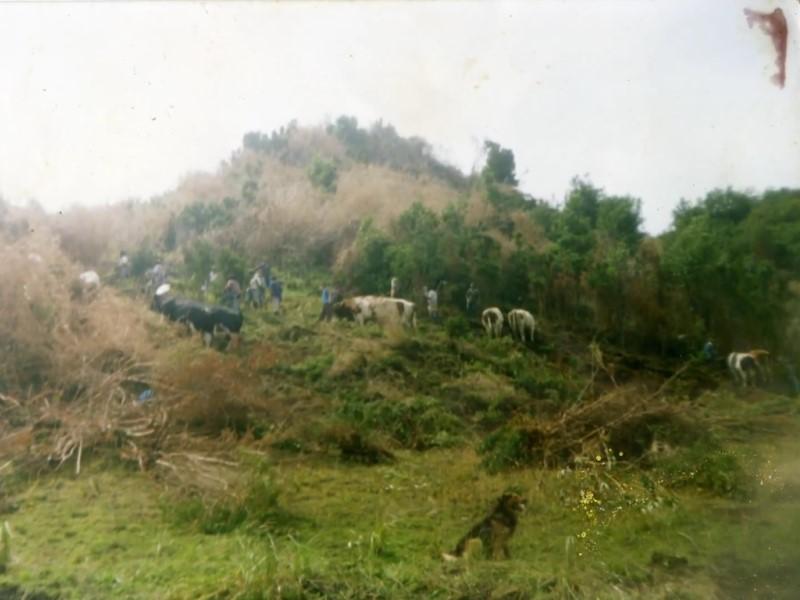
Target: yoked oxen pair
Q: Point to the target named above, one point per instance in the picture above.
(207, 318)
(380, 309)
(520, 322)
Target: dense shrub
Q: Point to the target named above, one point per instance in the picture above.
(509, 447)
(200, 217)
(707, 466)
(230, 264)
(457, 326)
(418, 422)
(323, 174)
(142, 259)
(198, 258)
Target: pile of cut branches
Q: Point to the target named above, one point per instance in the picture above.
(52, 434)
(619, 425)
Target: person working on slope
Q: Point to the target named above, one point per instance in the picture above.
(432, 297)
(231, 294)
(276, 290)
(123, 265)
(257, 289)
(327, 306)
(473, 297)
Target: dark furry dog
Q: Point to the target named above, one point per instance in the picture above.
(494, 531)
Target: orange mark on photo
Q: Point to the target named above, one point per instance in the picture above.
(774, 25)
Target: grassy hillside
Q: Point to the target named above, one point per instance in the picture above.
(256, 489)
(327, 460)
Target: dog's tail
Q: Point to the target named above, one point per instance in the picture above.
(449, 557)
(468, 547)
(457, 553)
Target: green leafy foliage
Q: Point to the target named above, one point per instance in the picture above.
(457, 326)
(370, 271)
(200, 217)
(268, 143)
(171, 235)
(728, 286)
(142, 259)
(507, 448)
(419, 422)
(500, 165)
(231, 264)
(198, 258)
(724, 268)
(709, 467)
(323, 174)
(381, 144)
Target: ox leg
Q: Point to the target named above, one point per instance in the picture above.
(744, 377)
(228, 333)
(207, 339)
(762, 374)
(190, 330)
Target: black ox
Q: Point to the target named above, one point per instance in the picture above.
(206, 318)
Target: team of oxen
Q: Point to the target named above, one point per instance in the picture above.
(209, 319)
(746, 368)
(213, 319)
(521, 323)
(396, 311)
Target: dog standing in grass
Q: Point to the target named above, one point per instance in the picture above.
(494, 532)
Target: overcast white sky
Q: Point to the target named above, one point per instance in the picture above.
(660, 99)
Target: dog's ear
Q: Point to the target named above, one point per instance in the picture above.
(513, 501)
(503, 500)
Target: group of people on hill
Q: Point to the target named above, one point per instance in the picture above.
(261, 282)
(431, 295)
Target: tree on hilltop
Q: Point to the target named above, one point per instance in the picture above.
(500, 166)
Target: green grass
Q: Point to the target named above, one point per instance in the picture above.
(103, 535)
(379, 531)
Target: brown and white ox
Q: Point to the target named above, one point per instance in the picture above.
(492, 321)
(380, 309)
(747, 368)
(522, 324)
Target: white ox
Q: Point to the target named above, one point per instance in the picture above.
(521, 322)
(492, 321)
(89, 280)
(382, 310)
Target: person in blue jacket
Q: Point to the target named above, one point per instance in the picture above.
(276, 291)
(327, 305)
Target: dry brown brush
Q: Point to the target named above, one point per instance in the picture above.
(620, 425)
(73, 370)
